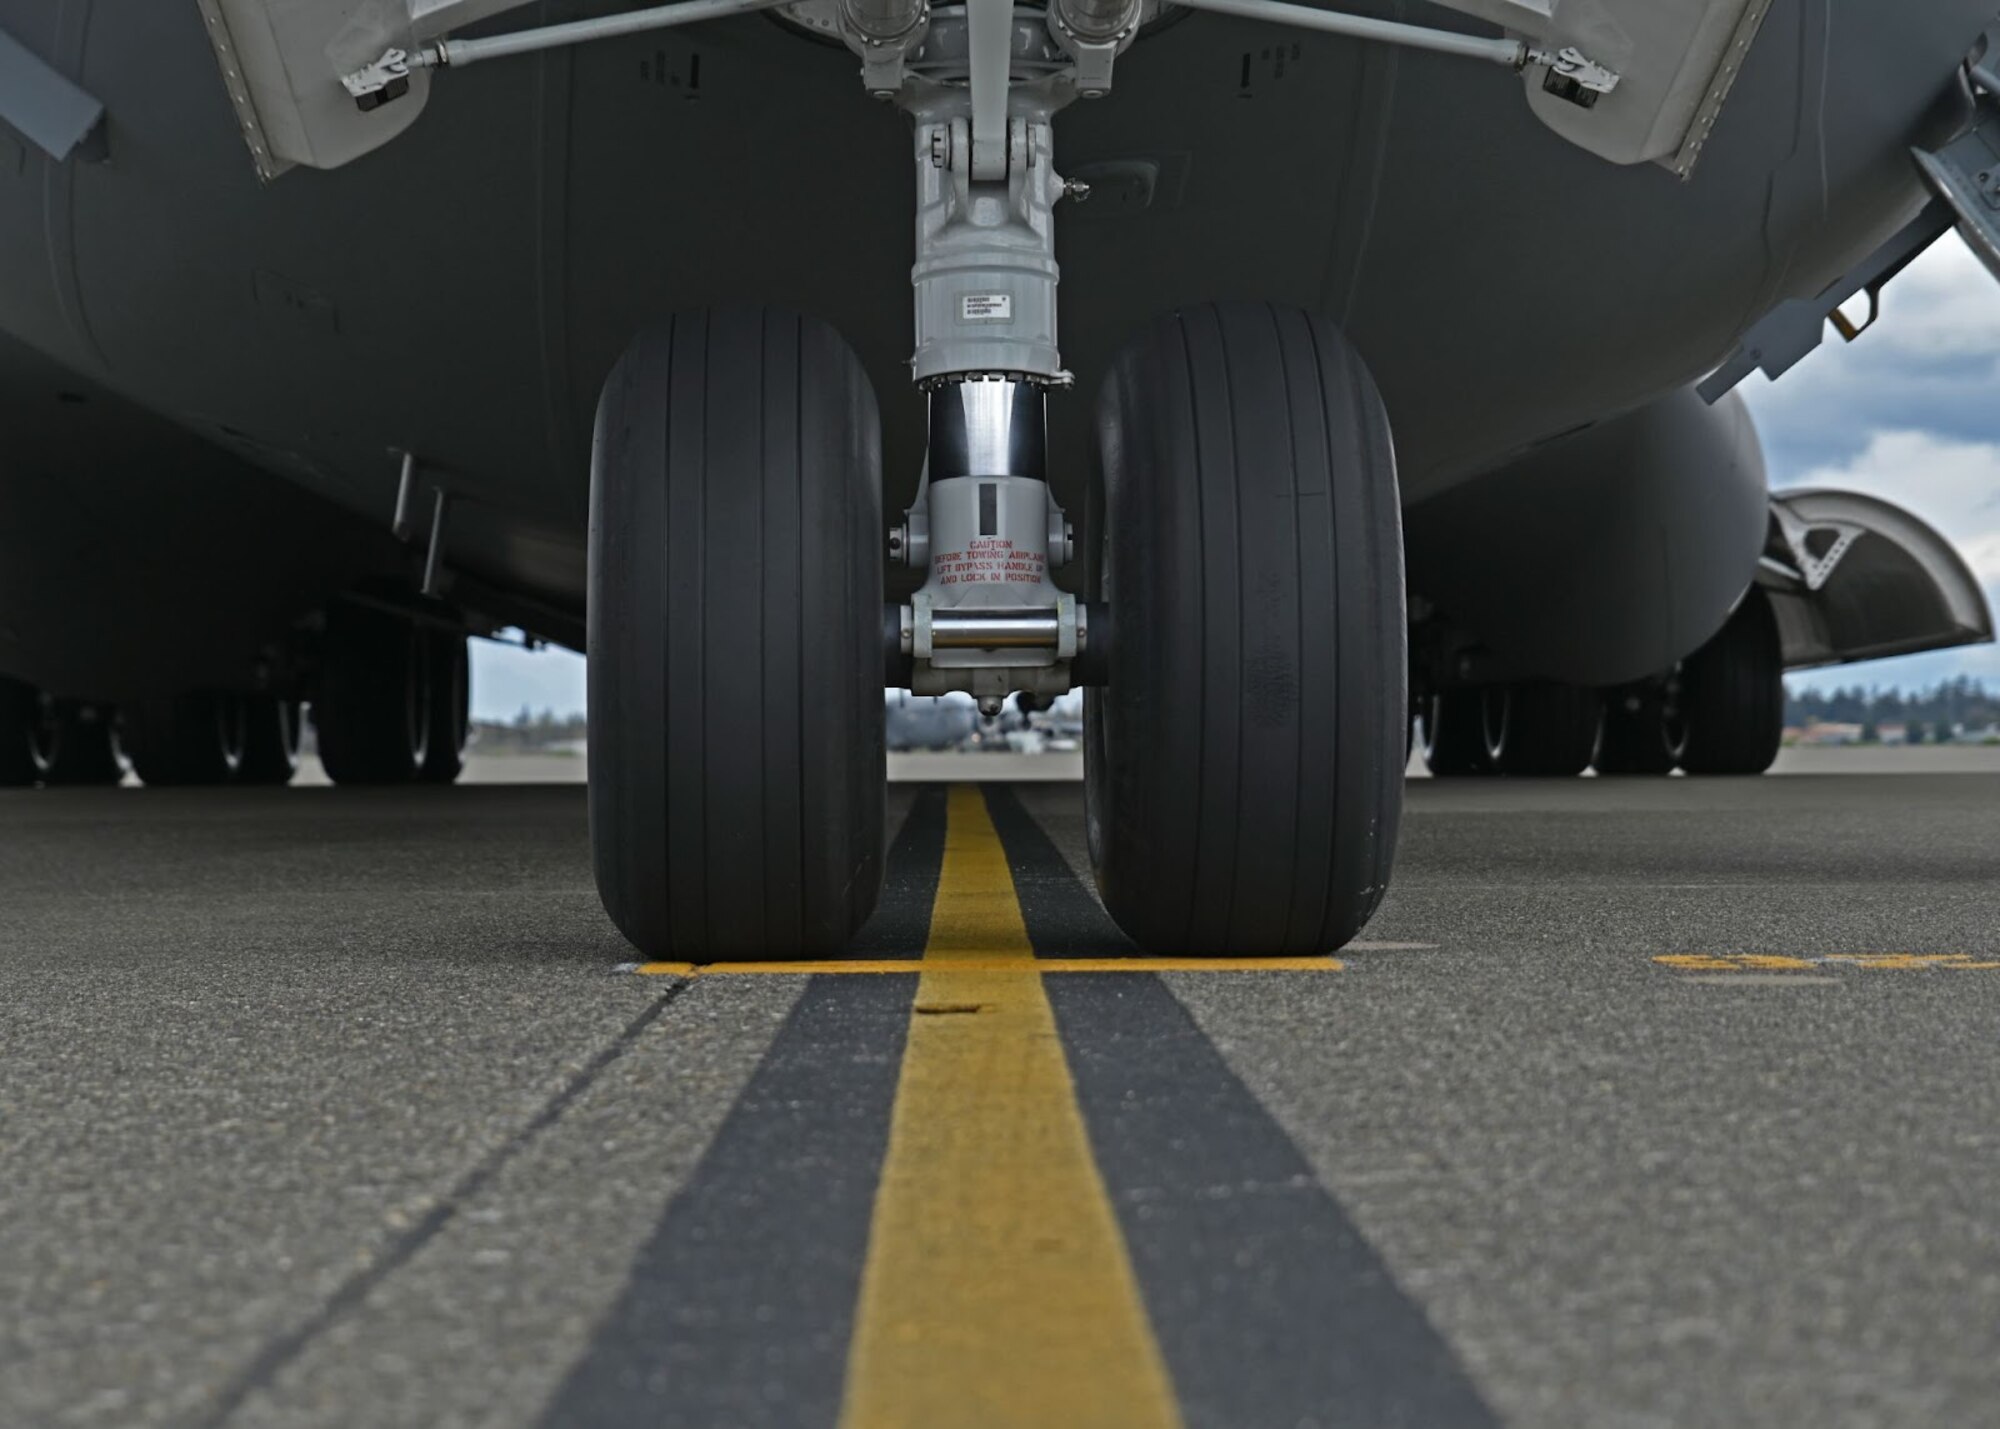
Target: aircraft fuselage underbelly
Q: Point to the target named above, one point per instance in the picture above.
(462, 292)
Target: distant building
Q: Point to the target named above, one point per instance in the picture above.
(1828, 733)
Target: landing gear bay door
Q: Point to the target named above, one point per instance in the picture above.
(282, 61)
(1676, 61)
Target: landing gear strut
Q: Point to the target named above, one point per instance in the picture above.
(1242, 749)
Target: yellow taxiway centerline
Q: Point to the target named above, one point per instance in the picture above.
(997, 1288)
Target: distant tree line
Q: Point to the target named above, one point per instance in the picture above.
(1935, 712)
(527, 731)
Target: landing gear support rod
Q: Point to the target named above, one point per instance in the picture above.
(376, 81)
(1515, 54)
(388, 77)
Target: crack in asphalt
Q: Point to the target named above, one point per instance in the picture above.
(271, 1361)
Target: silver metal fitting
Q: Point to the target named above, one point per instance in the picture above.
(1062, 538)
(1573, 66)
(883, 22)
(1096, 20)
(377, 83)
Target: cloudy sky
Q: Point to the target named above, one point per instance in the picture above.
(1910, 413)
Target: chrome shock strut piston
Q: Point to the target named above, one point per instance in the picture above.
(984, 526)
(988, 620)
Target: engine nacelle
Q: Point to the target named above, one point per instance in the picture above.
(1602, 556)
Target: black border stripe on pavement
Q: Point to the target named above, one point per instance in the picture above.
(901, 924)
(740, 1307)
(1064, 918)
(1269, 1304)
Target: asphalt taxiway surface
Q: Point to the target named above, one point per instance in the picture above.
(1642, 1102)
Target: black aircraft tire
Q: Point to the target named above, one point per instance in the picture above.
(1730, 706)
(737, 770)
(271, 742)
(1454, 740)
(373, 710)
(1244, 762)
(28, 738)
(87, 750)
(1541, 728)
(1633, 738)
(451, 706)
(186, 739)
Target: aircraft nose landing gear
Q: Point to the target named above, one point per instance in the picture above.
(1245, 751)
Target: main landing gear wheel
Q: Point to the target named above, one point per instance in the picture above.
(28, 735)
(271, 748)
(1454, 735)
(1540, 728)
(1244, 771)
(186, 739)
(1728, 713)
(451, 706)
(736, 734)
(1633, 739)
(87, 748)
(373, 709)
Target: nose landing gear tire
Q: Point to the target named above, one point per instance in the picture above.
(186, 739)
(1729, 710)
(736, 735)
(1244, 769)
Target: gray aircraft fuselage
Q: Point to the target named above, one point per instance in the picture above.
(207, 373)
